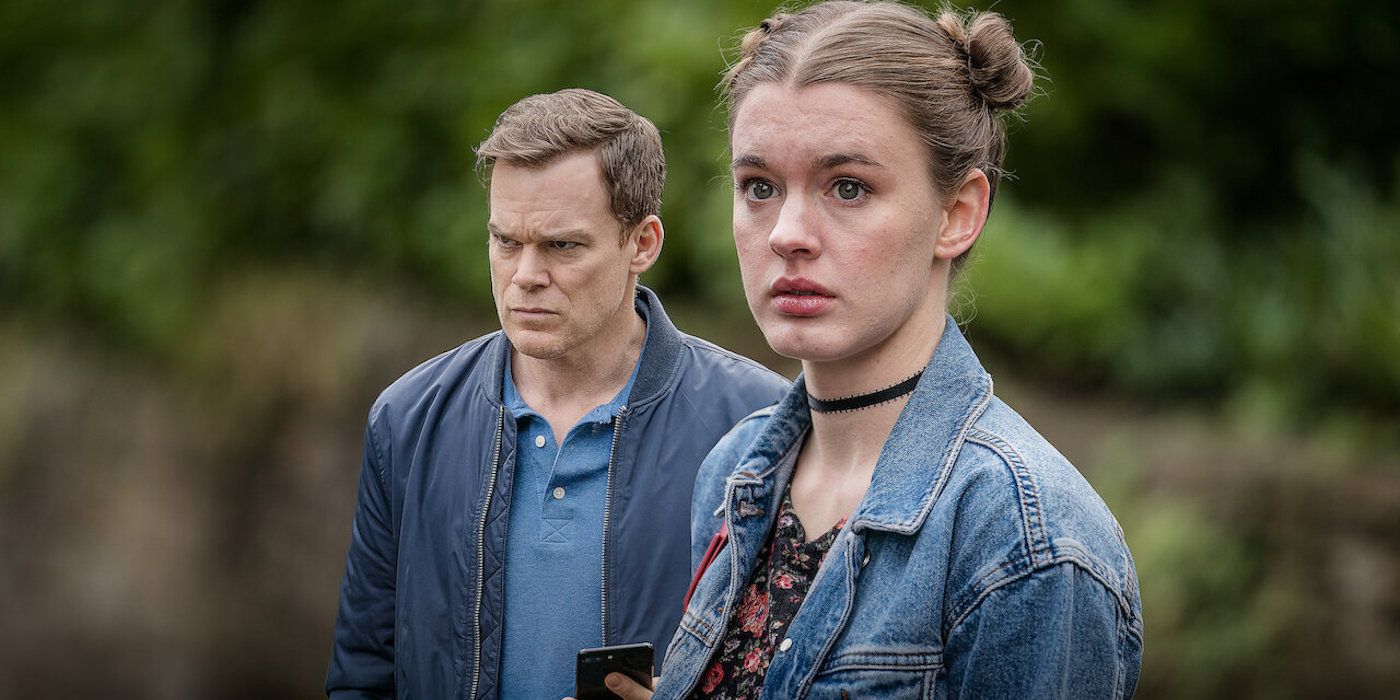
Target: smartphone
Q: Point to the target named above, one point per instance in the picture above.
(631, 660)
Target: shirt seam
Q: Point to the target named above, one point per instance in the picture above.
(696, 410)
(377, 457)
(1038, 545)
(1074, 560)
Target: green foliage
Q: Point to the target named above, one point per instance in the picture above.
(151, 150)
(1234, 95)
(1159, 297)
(1202, 205)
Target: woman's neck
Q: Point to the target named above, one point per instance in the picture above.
(847, 443)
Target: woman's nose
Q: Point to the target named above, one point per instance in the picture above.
(794, 234)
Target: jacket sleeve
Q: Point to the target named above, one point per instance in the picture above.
(1054, 633)
(362, 658)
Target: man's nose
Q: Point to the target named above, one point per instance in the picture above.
(533, 270)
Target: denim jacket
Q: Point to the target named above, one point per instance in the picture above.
(979, 564)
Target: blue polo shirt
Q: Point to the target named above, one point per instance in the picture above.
(554, 549)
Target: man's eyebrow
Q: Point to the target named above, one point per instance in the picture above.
(573, 233)
(748, 161)
(838, 159)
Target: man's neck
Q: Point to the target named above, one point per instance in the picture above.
(566, 388)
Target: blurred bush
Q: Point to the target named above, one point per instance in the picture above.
(1207, 189)
(1157, 297)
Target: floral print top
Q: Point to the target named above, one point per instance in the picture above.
(768, 605)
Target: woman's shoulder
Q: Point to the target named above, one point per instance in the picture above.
(1032, 472)
(708, 495)
(1016, 505)
(725, 456)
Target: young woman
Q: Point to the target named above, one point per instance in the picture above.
(891, 528)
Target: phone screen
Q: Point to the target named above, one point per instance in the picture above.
(632, 660)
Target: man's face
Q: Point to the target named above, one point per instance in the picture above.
(560, 279)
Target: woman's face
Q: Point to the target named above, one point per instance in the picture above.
(835, 220)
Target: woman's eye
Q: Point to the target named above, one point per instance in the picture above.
(761, 190)
(849, 190)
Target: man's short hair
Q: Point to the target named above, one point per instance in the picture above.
(541, 128)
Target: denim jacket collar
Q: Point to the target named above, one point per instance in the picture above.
(952, 393)
(661, 355)
(950, 396)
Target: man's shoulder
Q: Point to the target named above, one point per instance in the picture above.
(724, 386)
(445, 372)
(710, 356)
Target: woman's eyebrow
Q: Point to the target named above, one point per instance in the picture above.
(837, 159)
(820, 162)
(748, 161)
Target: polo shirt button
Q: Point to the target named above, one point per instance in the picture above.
(539, 441)
(786, 644)
(558, 493)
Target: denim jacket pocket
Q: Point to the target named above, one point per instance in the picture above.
(878, 673)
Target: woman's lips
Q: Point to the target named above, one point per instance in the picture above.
(800, 304)
(798, 296)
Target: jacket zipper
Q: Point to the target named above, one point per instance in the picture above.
(607, 513)
(481, 550)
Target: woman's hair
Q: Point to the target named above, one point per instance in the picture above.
(953, 76)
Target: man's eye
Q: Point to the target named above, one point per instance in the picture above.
(760, 190)
(504, 242)
(849, 190)
(563, 245)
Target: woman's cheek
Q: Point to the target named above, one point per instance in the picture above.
(750, 245)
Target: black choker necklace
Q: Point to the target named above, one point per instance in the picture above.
(859, 401)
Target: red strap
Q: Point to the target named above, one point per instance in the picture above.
(711, 553)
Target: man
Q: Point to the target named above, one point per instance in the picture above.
(528, 493)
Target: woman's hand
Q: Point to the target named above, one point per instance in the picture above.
(627, 688)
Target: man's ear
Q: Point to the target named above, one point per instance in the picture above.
(646, 238)
(964, 216)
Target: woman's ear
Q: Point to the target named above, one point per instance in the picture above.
(964, 216)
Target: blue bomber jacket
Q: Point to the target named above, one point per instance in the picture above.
(423, 597)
